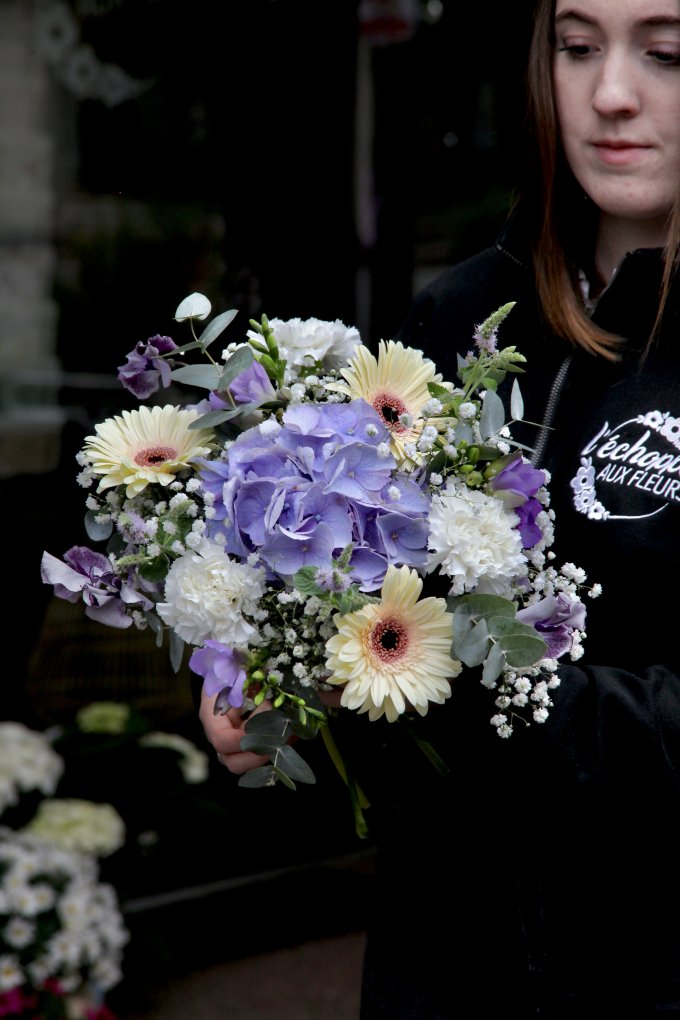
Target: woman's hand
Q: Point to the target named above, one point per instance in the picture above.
(225, 733)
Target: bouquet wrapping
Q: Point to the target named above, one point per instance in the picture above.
(280, 518)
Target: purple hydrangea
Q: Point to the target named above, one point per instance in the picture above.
(146, 369)
(222, 670)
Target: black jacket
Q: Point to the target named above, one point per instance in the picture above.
(539, 877)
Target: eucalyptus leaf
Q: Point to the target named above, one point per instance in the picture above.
(284, 778)
(474, 648)
(154, 623)
(206, 377)
(462, 625)
(265, 775)
(463, 433)
(516, 402)
(176, 651)
(191, 346)
(214, 418)
(492, 418)
(487, 606)
(289, 761)
(238, 362)
(520, 642)
(268, 723)
(217, 326)
(98, 531)
(493, 664)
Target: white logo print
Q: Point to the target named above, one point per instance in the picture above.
(633, 466)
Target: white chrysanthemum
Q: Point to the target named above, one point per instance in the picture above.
(394, 654)
(331, 343)
(206, 595)
(395, 384)
(80, 826)
(148, 445)
(473, 539)
(27, 762)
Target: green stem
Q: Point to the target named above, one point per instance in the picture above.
(357, 796)
(427, 749)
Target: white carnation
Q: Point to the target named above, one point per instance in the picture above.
(331, 343)
(206, 595)
(473, 538)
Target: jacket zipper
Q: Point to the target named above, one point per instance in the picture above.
(550, 408)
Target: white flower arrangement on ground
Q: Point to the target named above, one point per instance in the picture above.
(282, 527)
(27, 763)
(59, 925)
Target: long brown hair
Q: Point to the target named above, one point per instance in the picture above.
(562, 219)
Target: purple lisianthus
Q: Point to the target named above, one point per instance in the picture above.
(222, 670)
(519, 478)
(252, 386)
(146, 369)
(88, 575)
(527, 527)
(555, 618)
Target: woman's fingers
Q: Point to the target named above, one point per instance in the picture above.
(225, 733)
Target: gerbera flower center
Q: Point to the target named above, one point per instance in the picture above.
(389, 639)
(155, 455)
(389, 407)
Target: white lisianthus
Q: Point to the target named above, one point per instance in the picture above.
(474, 540)
(331, 343)
(27, 762)
(207, 594)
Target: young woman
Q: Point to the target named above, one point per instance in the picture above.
(539, 877)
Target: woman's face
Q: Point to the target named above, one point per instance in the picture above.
(617, 88)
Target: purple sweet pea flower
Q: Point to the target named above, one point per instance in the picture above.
(519, 478)
(222, 670)
(555, 618)
(88, 575)
(145, 369)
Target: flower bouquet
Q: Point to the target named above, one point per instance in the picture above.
(282, 521)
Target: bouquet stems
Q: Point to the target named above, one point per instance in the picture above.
(357, 796)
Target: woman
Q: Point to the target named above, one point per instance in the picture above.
(539, 876)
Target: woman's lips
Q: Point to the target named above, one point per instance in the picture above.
(619, 153)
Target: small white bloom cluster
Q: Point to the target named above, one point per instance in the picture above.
(297, 642)
(27, 762)
(57, 920)
(77, 825)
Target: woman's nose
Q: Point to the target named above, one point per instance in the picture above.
(616, 93)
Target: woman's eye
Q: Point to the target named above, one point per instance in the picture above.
(576, 50)
(670, 58)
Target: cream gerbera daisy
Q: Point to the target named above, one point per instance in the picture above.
(148, 445)
(394, 654)
(394, 383)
